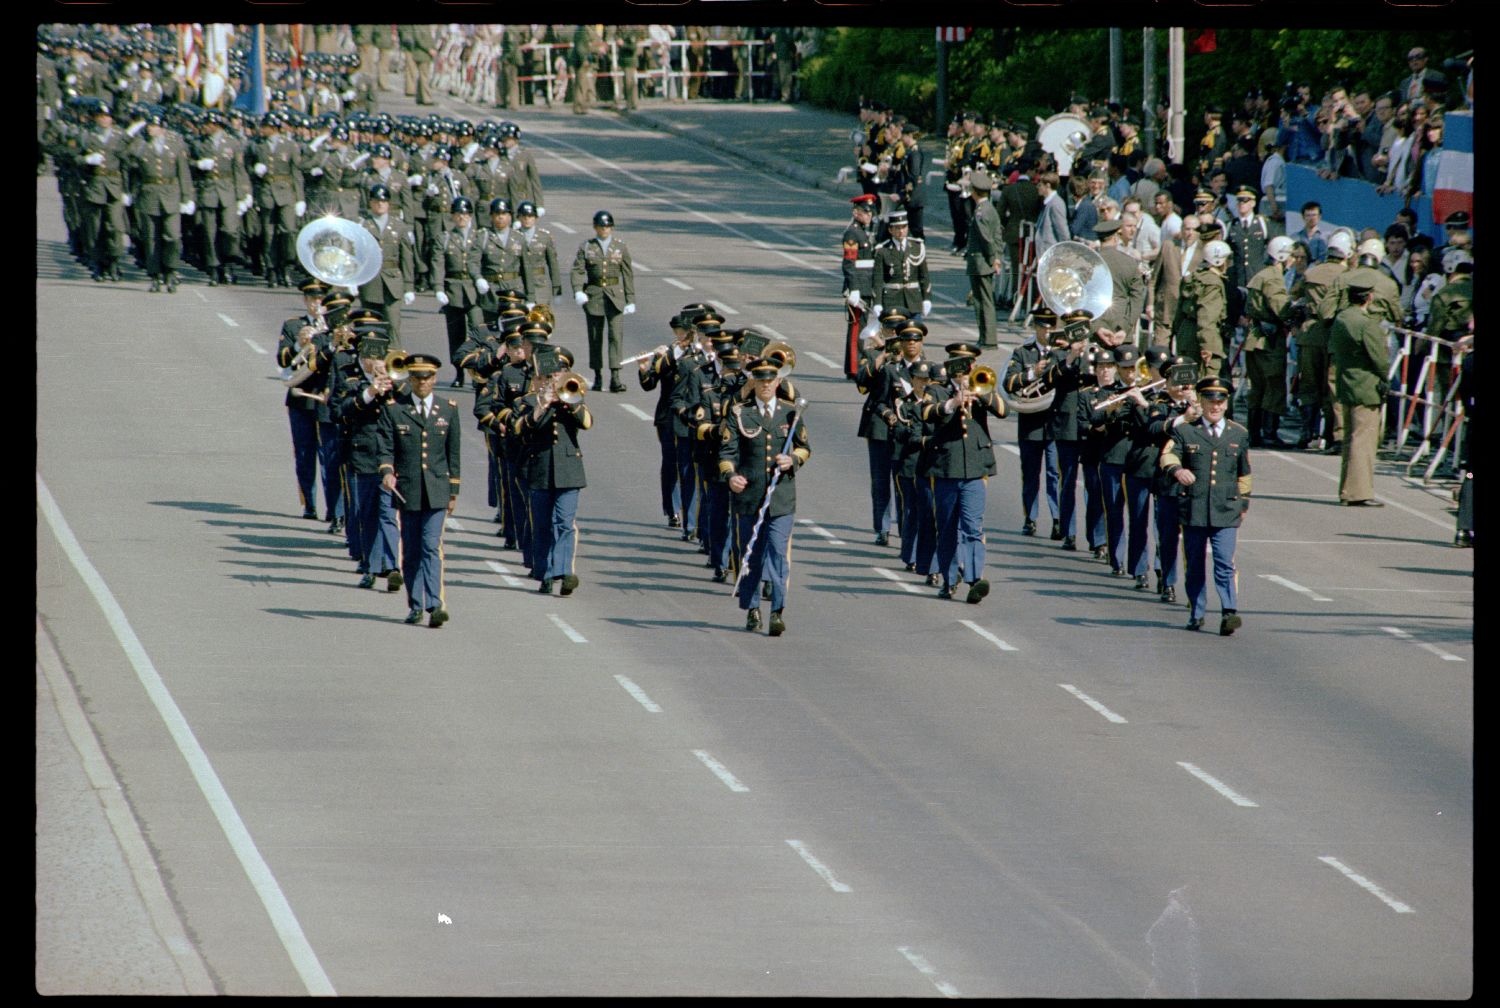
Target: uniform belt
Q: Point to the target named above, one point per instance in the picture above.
(864, 263)
(492, 276)
(278, 178)
(902, 286)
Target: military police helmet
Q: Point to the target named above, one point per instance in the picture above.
(500, 205)
(461, 204)
(1217, 253)
(526, 208)
(442, 153)
(510, 129)
(604, 219)
(381, 150)
(380, 191)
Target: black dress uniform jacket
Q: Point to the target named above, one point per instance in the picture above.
(1221, 493)
(961, 444)
(549, 437)
(423, 453)
(749, 446)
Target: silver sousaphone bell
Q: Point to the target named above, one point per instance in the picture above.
(338, 252)
(1070, 277)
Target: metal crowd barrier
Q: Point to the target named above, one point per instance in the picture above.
(1430, 424)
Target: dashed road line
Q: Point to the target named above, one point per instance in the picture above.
(823, 871)
(1294, 586)
(893, 576)
(818, 530)
(639, 694)
(1011, 448)
(636, 411)
(257, 347)
(641, 268)
(1367, 885)
(820, 359)
(719, 771)
(676, 283)
(572, 635)
(722, 307)
(1104, 711)
(1403, 635)
(453, 525)
(505, 575)
(231, 323)
(925, 968)
(559, 224)
(1218, 786)
(201, 296)
(981, 631)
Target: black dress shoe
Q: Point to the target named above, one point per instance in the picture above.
(1230, 623)
(617, 386)
(598, 382)
(720, 576)
(1463, 540)
(1372, 502)
(415, 616)
(394, 580)
(778, 625)
(509, 544)
(1169, 595)
(155, 286)
(438, 618)
(1070, 544)
(213, 281)
(1140, 582)
(1194, 624)
(911, 568)
(1056, 530)
(977, 591)
(1117, 572)
(171, 283)
(310, 514)
(933, 581)
(368, 581)
(1029, 529)
(945, 592)
(882, 539)
(569, 584)
(336, 526)
(1097, 552)
(545, 588)
(1159, 586)
(674, 521)
(1334, 448)
(752, 619)
(456, 383)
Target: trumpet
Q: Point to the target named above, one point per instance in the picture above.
(642, 356)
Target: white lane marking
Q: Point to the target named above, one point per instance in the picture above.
(559, 224)
(573, 635)
(893, 576)
(1218, 786)
(256, 347)
(453, 525)
(639, 694)
(1294, 586)
(925, 968)
(304, 959)
(676, 283)
(816, 529)
(818, 866)
(981, 631)
(1367, 885)
(1409, 591)
(231, 323)
(1330, 542)
(201, 296)
(722, 307)
(504, 573)
(637, 412)
(1446, 525)
(820, 359)
(1107, 714)
(1403, 635)
(637, 265)
(719, 771)
(1013, 449)
(795, 261)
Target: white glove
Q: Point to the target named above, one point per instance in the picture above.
(530, 305)
(408, 297)
(926, 308)
(301, 207)
(245, 204)
(432, 190)
(868, 168)
(188, 209)
(414, 180)
(877, 310)
(127, 199)
(316, 172)
(541, 211)
(580, 297)
(360, 160)
(442, 298)
(870, 331)
(630, 309)
(206, 164)
(261, 169)
(952, 186)
(853, 298)
(135, 127)
(96, 159)
(319, 141)
(348, 95)
(483, 285)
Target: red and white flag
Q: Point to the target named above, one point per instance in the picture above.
(954, 34)
(190, 51)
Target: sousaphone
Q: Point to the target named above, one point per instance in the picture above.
(1063, 136)
(338, 251)
(1070, 277)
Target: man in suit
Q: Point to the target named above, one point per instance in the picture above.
(1020, 203)
(604, 287)
(982, 255)
(391, 288)
(1210, 461)
(1052, 219)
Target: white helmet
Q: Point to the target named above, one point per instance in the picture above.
(1372, 248)
(1455, 257)
(1341, 245)
(1279, 248)
(1216, 253)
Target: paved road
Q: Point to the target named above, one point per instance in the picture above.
(1056, 793)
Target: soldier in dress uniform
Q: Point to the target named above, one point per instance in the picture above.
(1129, 287)
(549, 421)
(372, 510)
(1037, 449)
(1266, 303)
(899, 273)
(704, 396)
(904, 434)
(875, 382)
(1066, 371)
(494, 408)
(1314, 380)
(538, 257)
(275, 164)
(958, 211)
(164, 191)
(1114, 425)
(303, 338)
(1179, 406)
(391, 288)
(501, 259)
(105, 198)
(604, 287)
(526, 181)
(858, 274)
(1210, 462)
(454, 267)
(963, 459)
(982, 255)
(222, 188)
(660, 371)
(763, 445)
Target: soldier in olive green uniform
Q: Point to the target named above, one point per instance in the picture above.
(456, 280)
(1314, 380)
(982, 254)
(391, 288)
(223, 196)
(501, 259)
(275, 163)
(1357, 347)
(1265, 345)
(604, 287)
(1202, 310)
(105, 199)
(1451, 311)
(164, 192)
(538, 258)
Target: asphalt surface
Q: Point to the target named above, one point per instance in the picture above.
(253, 779)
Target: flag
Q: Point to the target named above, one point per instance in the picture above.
(253, 98)
(954, 34)
(1453, 182)
(215, 64)
(1206, 42)
(189, 47)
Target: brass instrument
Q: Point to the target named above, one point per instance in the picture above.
(338, 251)
(541, 313)
(396, 366)
(782, 355)
(1071, 276)
(569, 387)
(1033, 397)
(982, 379)
(1063, 136)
